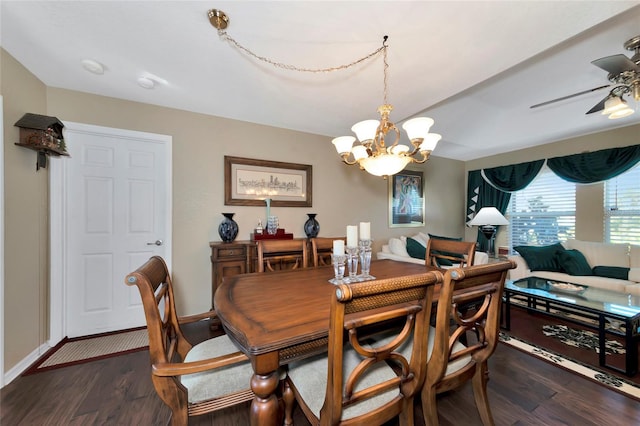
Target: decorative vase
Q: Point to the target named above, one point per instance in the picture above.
(228, 228)
(311, 226)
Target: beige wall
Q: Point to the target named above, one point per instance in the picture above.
(25, 232)
(341, 194)
(589, 198)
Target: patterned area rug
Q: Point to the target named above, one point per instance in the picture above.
(91, 348)
(602, 377)
(582, 339)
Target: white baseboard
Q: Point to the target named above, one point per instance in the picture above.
(25, 363)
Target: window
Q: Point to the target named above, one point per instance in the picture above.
(544, 212)
(622, 208)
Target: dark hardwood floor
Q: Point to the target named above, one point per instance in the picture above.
(118, 391)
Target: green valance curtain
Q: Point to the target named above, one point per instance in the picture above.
(492, 188)
(513, 177)
(595, 166)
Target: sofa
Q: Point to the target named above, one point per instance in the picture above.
(411, 249)
(606, 266)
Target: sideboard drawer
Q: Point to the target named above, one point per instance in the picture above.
(232, 252)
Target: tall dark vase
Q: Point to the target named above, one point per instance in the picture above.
(228, 228)
(311, 226)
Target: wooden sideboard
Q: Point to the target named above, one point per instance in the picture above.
(227, 259)
(237, 257)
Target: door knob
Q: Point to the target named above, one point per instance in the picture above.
(157, 243)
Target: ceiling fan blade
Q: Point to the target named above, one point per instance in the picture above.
(616, 64)
(570, 96)
(598, 107)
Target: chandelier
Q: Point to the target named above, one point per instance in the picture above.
(375, 153)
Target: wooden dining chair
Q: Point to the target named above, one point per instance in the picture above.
(275, 255)
(191, 380)
(448, 253)
(463, 339)
(321, 248)
(354, 383)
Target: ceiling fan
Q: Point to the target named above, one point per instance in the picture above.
(624, 75)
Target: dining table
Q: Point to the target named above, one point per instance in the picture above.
(279, 317)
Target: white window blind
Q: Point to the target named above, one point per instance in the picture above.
(622, 208)
(544, 212)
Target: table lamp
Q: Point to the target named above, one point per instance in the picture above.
(486, 220)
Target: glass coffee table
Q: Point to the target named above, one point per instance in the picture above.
(608, 312)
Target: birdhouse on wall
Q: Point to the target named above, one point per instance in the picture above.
(42, 134)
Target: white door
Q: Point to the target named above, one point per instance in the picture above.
(117, 214)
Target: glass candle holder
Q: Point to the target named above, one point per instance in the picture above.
(352, 263)
(338, 268)
(365, 260)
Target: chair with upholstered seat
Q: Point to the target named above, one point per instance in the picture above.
(354, 383)
(447, 253)
(452, 362)
(191, 380)
(321, 248)
(275, 255)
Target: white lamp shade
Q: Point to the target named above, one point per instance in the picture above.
(385, 164)
(614, 104)
(488, 216)
(366, 130)
(398, 149)
(343, 144)
(620, 113)
(417, 128)
(430, 141)
(359, 152)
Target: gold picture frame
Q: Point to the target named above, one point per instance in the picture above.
(406, 199)
(248, 182)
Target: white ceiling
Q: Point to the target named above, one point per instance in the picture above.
(475, 67)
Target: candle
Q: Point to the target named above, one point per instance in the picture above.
(352, 236)
(365, 230)
(338, 248)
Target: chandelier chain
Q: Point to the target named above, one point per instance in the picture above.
(223, 34)
(386, 67)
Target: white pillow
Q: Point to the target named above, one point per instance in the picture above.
(419, 238)
(398, 247)
(424, 236)
(634, 274)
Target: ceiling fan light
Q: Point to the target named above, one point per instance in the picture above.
(621, 113)
(614, 104)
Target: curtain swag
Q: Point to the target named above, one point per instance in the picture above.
(513, 177)
(597, 166)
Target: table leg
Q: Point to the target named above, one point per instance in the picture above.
(602, 356)
(631, 346)
(264, 407)
(507, 310)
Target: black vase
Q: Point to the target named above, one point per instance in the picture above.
(228, 228)
(311, 226)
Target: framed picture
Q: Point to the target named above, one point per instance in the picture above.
(406, 199)
(248, 182)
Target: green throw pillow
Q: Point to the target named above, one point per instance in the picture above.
(541, 258)
(611, 272)
(573, 262)
(438, 237)
(415, 249)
